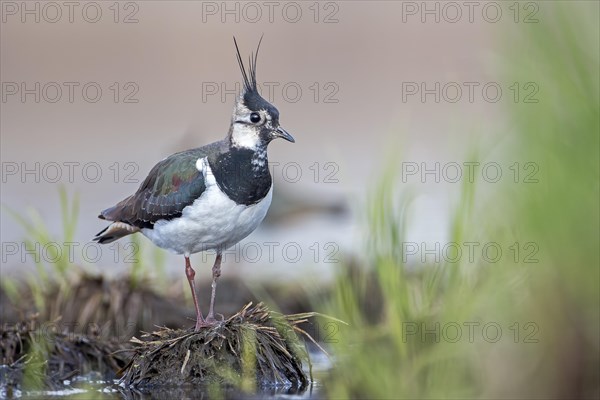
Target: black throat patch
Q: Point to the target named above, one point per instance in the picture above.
(242, 174)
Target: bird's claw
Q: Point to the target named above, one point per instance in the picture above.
(209, 321)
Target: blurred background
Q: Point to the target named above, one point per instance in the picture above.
(441, 196)
(163, 79)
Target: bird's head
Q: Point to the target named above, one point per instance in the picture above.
(255, 121)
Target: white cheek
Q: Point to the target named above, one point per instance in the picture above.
(244, 136)
(240, 108)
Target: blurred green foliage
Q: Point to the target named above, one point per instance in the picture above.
(404, 319)
(39, 238)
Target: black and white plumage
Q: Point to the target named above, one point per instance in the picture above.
(210, 197)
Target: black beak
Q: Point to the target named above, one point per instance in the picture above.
(282, 133)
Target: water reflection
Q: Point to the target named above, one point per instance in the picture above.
(310, 391)
(88, 387)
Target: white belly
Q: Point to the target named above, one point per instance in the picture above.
(213, 221)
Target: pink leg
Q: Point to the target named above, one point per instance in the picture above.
(190, 273)
(216, 272)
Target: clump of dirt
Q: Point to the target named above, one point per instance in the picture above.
(253, 348)
(42, 358)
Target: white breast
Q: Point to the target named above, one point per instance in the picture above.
(213, 221)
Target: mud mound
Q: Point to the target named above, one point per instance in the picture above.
(253, 348)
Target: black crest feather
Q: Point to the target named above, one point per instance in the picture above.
(249, 77)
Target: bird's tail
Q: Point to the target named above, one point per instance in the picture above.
(115, 231)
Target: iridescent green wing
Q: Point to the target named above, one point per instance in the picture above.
(173, 184)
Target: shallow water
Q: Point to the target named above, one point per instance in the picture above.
(89, 387)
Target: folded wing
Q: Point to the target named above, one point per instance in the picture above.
(173, 184)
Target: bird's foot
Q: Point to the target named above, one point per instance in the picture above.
(207, 322)
(210, 317)
(199, 325)
(213, 320)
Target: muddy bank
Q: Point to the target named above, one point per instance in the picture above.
(82, 334)
(253, 351)
(33, 357)
(122, 308)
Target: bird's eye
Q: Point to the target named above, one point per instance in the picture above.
(254, 118)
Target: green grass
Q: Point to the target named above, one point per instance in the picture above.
(55, 270)
(51, 263)
(548, 310)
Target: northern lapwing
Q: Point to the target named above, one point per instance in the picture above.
(207, 198)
